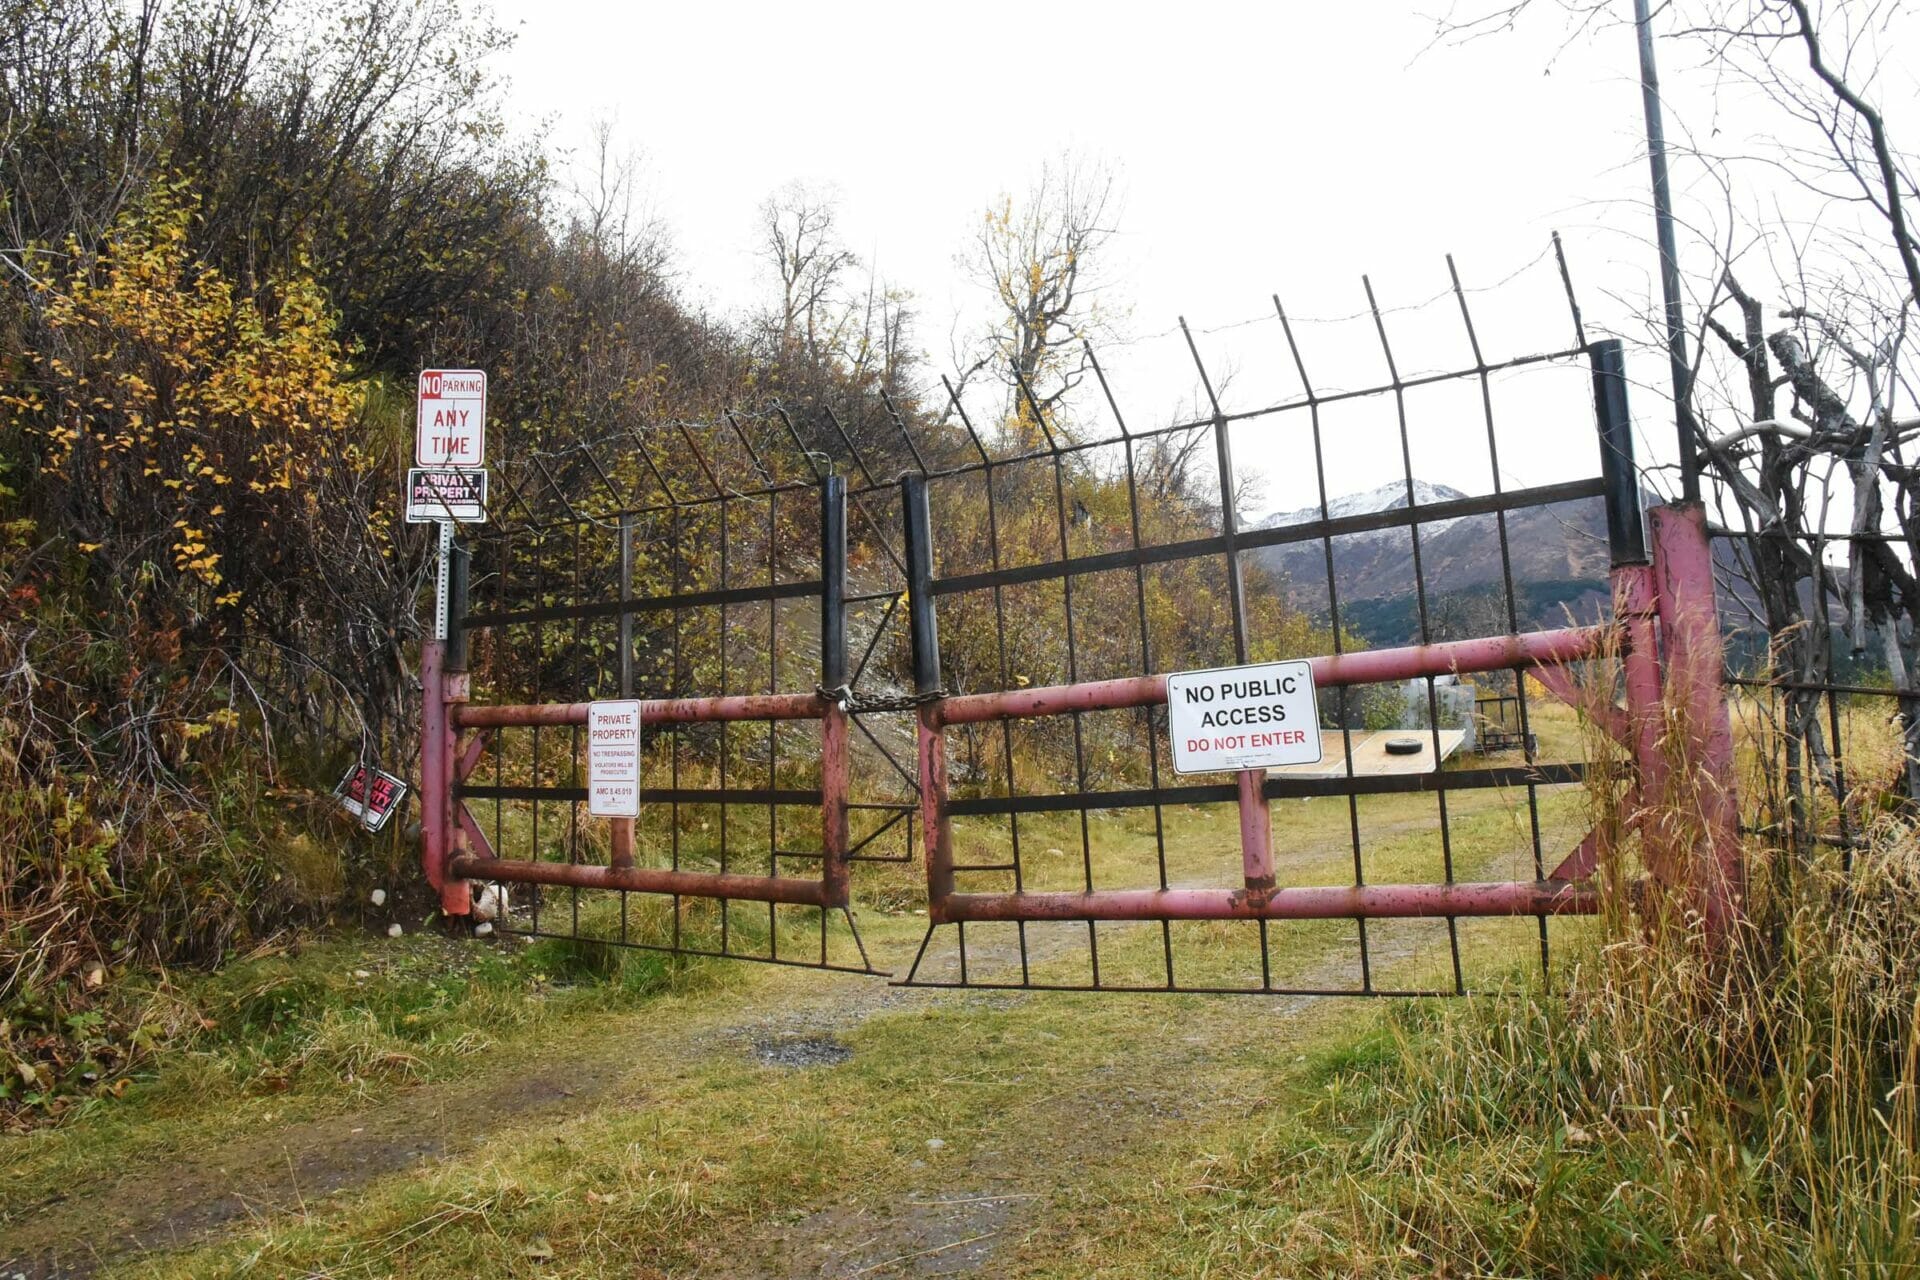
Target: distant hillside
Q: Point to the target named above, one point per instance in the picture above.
(1558, 555)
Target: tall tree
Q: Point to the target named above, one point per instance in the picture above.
(1041, 259)
(800, 244)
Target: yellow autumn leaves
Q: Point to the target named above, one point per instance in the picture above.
(167, 386)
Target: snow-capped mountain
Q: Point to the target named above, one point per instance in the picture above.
(1558, 555)
(1388, 497)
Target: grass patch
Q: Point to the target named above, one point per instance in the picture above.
(1656, 1117)
(304, 1031)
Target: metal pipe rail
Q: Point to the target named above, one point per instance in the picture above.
(1333, 902)
(703, 884)
(1367, 666)
(755, 706)
(1260, 899)
(831, 889)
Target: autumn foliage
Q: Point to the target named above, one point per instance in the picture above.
(164, 399)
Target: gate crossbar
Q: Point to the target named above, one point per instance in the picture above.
(1260, 899)
(830, 889)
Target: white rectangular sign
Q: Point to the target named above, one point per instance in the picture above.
(1233, 718)
(450, 427)
(613, 759)
(446, 493)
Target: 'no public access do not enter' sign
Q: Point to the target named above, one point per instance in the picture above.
(1233, 718)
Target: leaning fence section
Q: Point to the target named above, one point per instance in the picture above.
(1052, 587)
(1823, 727)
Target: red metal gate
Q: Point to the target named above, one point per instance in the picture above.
(1655, 690)
(813, 778)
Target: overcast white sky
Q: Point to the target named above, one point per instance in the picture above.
(1284, 147)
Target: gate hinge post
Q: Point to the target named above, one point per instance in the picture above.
(439, 830)
(1695, 695)
(1620, 479)
(836, 765)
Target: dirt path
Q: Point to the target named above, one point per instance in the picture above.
(204, 1191)
(957, 1214)
(965, 1216)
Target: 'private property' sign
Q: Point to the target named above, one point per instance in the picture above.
(446, 493)
(370, 794)
(1233, 718)
(613, 759)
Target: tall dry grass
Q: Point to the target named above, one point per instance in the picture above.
(1683, 1104)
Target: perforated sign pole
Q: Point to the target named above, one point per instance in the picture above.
(441, 581)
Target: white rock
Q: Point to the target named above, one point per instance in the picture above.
(482, 929)
(935, 1144)
(361, 975)
(379, 897)
(394, 930)
(491, 903)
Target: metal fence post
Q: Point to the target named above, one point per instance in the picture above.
(444, 682)
(924, 635)
(1626, 523)
(923, 627)
(1696, 704)
(459, 573)
(1634, 607)
(620, 831)
(626, 597)
(836, 767)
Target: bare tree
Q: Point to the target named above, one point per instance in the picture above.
(1040, 260)
(1805, 278)
(800, 243)
(879, 347)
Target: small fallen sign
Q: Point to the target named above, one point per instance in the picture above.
(1233, 718)
(613, 759)
(446, 493)
(370, 794)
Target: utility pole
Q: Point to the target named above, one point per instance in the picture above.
(1682, 368)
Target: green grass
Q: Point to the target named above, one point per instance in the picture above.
(304, 1032)
(1109, 1115)
(687, 1172)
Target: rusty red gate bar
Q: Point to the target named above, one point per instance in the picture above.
(455, 850)
(1683, 694)
(1674, 729)
(830, 890)
(1260, 899)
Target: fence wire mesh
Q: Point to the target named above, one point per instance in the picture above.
(1070, 544)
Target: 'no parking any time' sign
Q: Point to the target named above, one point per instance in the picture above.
(450, 428)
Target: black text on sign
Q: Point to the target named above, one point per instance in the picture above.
(450, 426)
(1233, 718)
(613, 759)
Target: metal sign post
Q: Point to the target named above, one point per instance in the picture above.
(449, 484)
(441, 577)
